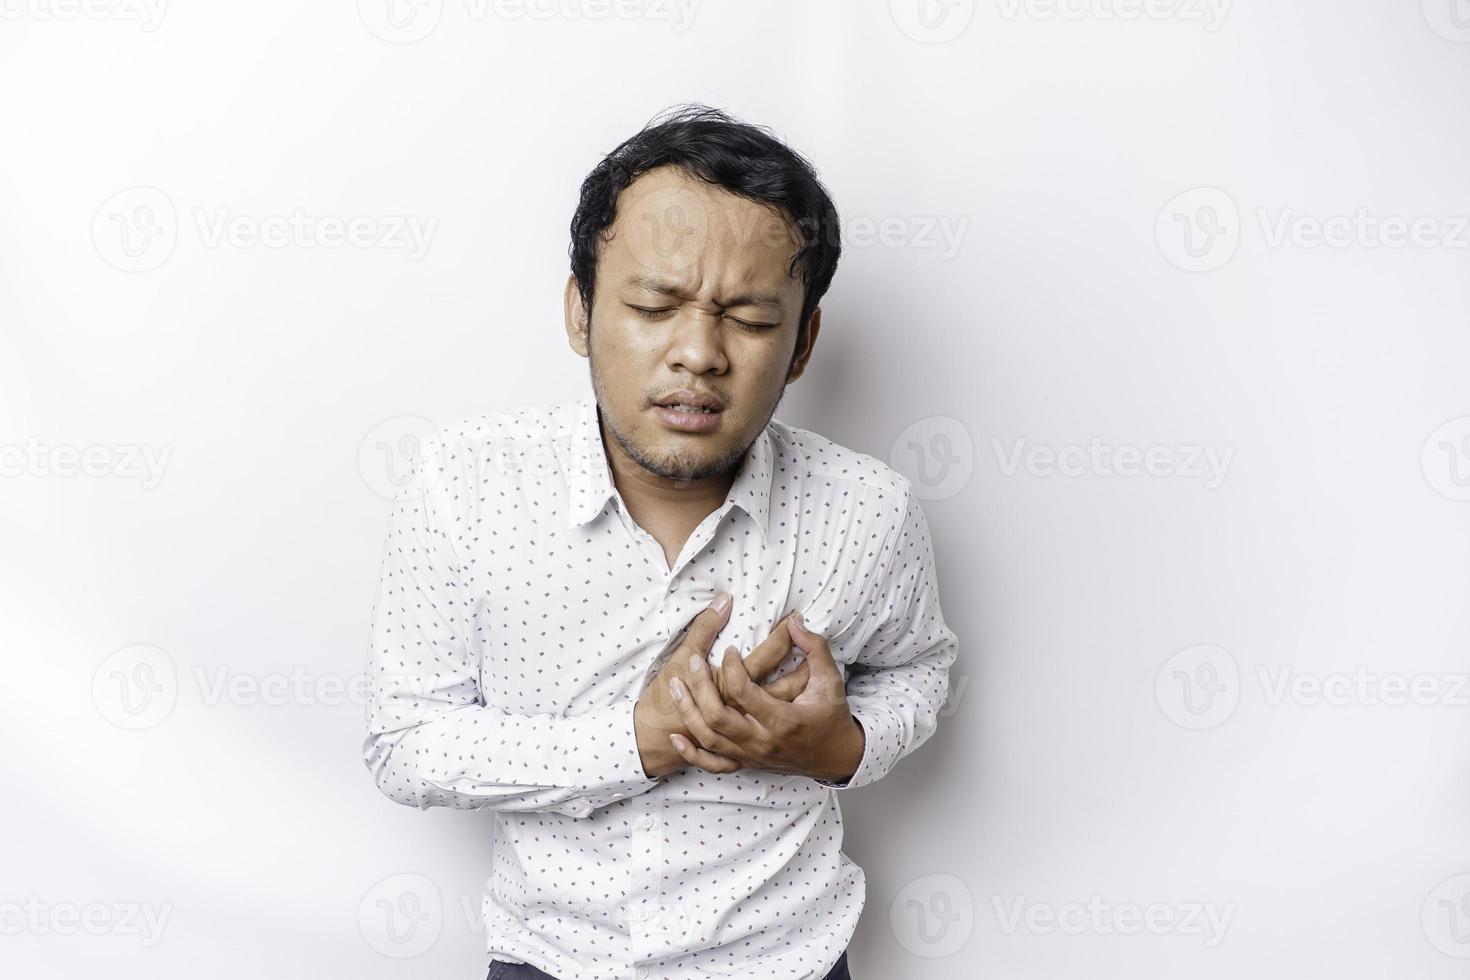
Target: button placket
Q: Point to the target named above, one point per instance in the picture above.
(646, 886)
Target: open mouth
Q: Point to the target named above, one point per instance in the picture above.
(688, 418)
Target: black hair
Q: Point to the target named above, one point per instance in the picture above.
(711, 145)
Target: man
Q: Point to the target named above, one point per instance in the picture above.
(663, 817)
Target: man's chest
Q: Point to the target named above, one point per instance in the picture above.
(565, 618)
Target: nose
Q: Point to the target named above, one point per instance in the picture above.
(696, 343)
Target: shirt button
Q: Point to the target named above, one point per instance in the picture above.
(645, 822)
(642, 971)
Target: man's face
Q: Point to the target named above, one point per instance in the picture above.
(692, 293)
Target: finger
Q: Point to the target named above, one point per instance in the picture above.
(715, 704)
(707, 625)
(743, 693)
(703, 758)
(696, 721)
(796, 656)
(703, 686)
(731, 675)
(659, 694)
(756, 727)
(788, 686)
(723, 680)
(826, 680)
(769, 653)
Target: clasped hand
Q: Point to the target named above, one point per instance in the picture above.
(722, 720)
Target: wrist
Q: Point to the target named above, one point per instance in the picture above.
(849, 754)
(654, 749)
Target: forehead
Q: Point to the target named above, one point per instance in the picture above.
(678, 229)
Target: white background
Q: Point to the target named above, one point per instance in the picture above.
(1080, 760)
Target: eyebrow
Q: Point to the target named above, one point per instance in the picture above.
(654, 285)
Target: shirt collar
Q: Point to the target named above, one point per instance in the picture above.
(590, 482)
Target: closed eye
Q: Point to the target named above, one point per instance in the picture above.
(755, 326)
(659, 313)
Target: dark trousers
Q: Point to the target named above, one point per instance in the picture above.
(524, 971)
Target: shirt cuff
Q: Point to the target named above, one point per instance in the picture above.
(618, 771)
(880, 744)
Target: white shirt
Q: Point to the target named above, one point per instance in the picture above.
(518, 609)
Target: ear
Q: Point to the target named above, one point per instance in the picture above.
(576, 317)
(800, 357)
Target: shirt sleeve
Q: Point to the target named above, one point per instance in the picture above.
(899, 679)
(431, 739)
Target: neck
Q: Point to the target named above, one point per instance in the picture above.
(642, 488)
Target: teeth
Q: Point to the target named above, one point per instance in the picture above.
(690, 408)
